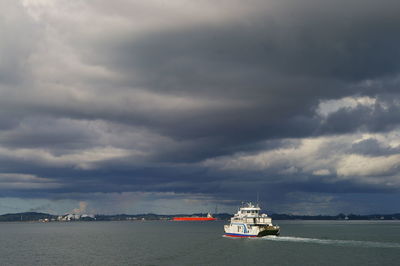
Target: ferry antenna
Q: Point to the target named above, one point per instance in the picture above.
(258, 203)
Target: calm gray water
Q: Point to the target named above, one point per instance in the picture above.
(198, 243)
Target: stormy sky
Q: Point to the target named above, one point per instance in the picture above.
(177, 106)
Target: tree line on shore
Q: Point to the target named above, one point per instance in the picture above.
(37, 216)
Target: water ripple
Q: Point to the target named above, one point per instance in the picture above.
(336, 242)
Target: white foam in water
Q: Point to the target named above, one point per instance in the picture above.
(331, 241)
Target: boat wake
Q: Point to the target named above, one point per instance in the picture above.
(331, 241)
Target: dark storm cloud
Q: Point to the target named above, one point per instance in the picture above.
(379, 118)
(212, 98)
(307, 38)
(373, 147)
(41, 132)
(277, 64)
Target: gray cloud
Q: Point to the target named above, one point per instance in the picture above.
(18, 42)
(373, 147)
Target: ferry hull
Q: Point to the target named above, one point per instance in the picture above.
(239, 235)
(269, 232)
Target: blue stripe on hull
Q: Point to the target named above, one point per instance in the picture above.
(239, 235)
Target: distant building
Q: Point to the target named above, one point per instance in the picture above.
(76, 217)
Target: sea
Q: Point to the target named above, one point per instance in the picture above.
(198, 243)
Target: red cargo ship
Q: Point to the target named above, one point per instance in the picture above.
(193, 218)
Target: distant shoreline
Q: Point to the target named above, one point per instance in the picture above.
(45, 217)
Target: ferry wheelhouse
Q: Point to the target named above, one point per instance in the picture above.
(249, 222)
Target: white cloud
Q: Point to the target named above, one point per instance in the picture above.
(305, 158)
(321, 172)
(358, 165)
(330, 106)
(26, 181)
(85, 159)
(319, 157)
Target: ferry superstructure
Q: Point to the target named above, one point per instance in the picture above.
(249, 222)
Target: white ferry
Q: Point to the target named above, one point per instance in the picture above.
(248, 222)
